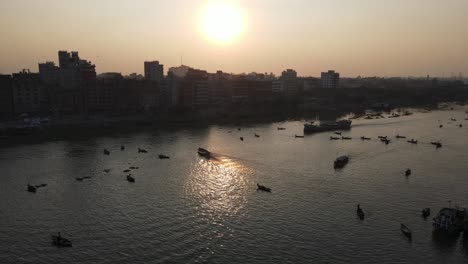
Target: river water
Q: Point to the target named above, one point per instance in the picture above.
(191, 210)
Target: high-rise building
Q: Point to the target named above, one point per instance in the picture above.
(330, 79)
(75, 71)
(154, 71)
(49, 73)
(195, 89)
(27, 92)
(289, 80)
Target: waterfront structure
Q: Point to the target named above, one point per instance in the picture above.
(330, 80)
(154, 71)
(289, 82)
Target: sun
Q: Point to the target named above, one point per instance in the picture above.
(222, 22)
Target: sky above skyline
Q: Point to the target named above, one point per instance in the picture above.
(354, 37)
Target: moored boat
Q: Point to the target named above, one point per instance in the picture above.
(334, 138)
(437, 144)
(281, 128)
(413, 141)
(323, 126)
(365, 138)
(449, 221)
(106, 152)
(407, 172)
(257, 136)
(398, 136)
(161, 156)
(298, 136)
(346, 138)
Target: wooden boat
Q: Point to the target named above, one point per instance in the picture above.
(130, 178)
(406, 231)
(106, 152)
(241, 138)
(382, 137)
(412, 141)
(133, 167)
(441, 126)
(161, 156)
(426, 212)
(59, 241)
(31, 188)
(82, 178)
(398, 136)
(107, 170)
(204, 153)
(142, 150)
(122, 147)
(360, 212)
(41, 185)
(460, 125)
(340, 162)
(385, 140)
(127, 170)
(263, 188)
(365, 138)
(337, 133)
(257, 136)
(334, 138)
(437, 144)
(408, 172)
(281, 128)
(297, 136)
(346, 138)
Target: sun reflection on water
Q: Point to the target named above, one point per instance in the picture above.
(219, 185)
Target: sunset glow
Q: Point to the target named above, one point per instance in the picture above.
(222, 22)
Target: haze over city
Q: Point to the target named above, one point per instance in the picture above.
(361, 37)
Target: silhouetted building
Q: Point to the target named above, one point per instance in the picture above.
(154, 71)
(6, 97)
(180, 71)
(195, 91)
(27, 92)
(289, 82)
(330, 79)
(75, 71)
(49, 73)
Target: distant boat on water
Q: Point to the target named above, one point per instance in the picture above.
(161, 156)
(106, 152)
(263, 188)
(406, 231)
(340, 162)
(204, 153)
(365, 138)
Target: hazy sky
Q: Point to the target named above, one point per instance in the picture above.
(354, 37)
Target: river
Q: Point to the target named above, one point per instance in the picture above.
(187, 209)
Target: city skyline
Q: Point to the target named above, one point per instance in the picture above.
(369, 39)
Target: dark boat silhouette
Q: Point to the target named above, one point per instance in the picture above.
(360, 212)
(281, 128)
(257, 136)
(241, 138)
(406, 231)
(31, 188)
(408, 172)
(204, 153)
(346, 138)
(106, 152)
(412, 141)
(161, 156)
(334, 138)
(398, 136)
(365, 138)
(122, 147)
(130, 178)
(140, 150)
(298, 136)
(437, 144)
(340, 162)
(59, 241)
(426, 212)
(41, 185)
(263, 188)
